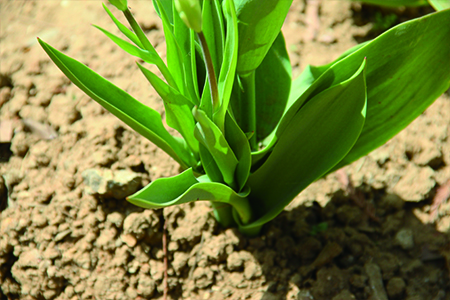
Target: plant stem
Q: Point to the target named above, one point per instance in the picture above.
(166, 277)
(248, 107)
(149, 47)
(210, 70)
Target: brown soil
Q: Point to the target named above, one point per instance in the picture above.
(67, 232)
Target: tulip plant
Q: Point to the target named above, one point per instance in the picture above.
(251, 137)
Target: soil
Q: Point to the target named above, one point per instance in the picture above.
(378, 229)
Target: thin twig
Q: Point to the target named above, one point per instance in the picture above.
(166, 277)
(442, 195)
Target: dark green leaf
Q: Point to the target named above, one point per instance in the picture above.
(241, 148)
(408, 68)
(273, 81)
(259, 24)
(318, 136)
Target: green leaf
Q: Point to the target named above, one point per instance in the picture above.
(178, 109)
(148, 57)
(185, 188)
(141, 118)
(273, 81)
(408, 68)
(241, 148)
(213, 29)
(228, 69)
(440, 4)
(212, 138)
(127, 32)
(319, 135)
(174, 56)
(209, 165)
(395, 3)
(185, 38)
(168, 8)
(259, 24)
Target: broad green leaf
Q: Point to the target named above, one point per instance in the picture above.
(273, 81)
(178, 109)
(311, 73)
(184, 39)
(127, 32)
(174, 56)
(185, 188)
(141, 118)
(317, 138)
(395, 3)
(326, 80)
(148, 57)
(228, 69)
(241, 148)
(259, 24)
(408, 68)
(212, 138)
(440, 4)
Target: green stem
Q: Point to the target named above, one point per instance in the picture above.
(210, 70)
(149, 47)
(248, 108)
(223, 213)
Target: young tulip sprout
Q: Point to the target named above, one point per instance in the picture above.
(249, 137)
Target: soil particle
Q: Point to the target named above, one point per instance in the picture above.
(117, 184)
(405, 239)
(416, 184)
(395, 287)
(376, 282)
(92, 246)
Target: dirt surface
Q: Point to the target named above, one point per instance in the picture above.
(378, 229)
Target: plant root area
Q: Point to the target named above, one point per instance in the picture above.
(378, 229)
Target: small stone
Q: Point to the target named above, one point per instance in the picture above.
(60, 236)
(392, 202)
(344, 295)
(376, 281)
(115, 218)
(235, 261)
(146, 286)
(118, 184)
(395, 287)
(416, 183)
(405, 239)
(252, 270)
(129, 240)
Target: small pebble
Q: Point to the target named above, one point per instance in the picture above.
(404, 238)
(395, 287)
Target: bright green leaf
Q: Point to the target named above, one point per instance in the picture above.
(212, 138)
(127, 32)
(185, 188)
(178, 109)
(141, 118)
